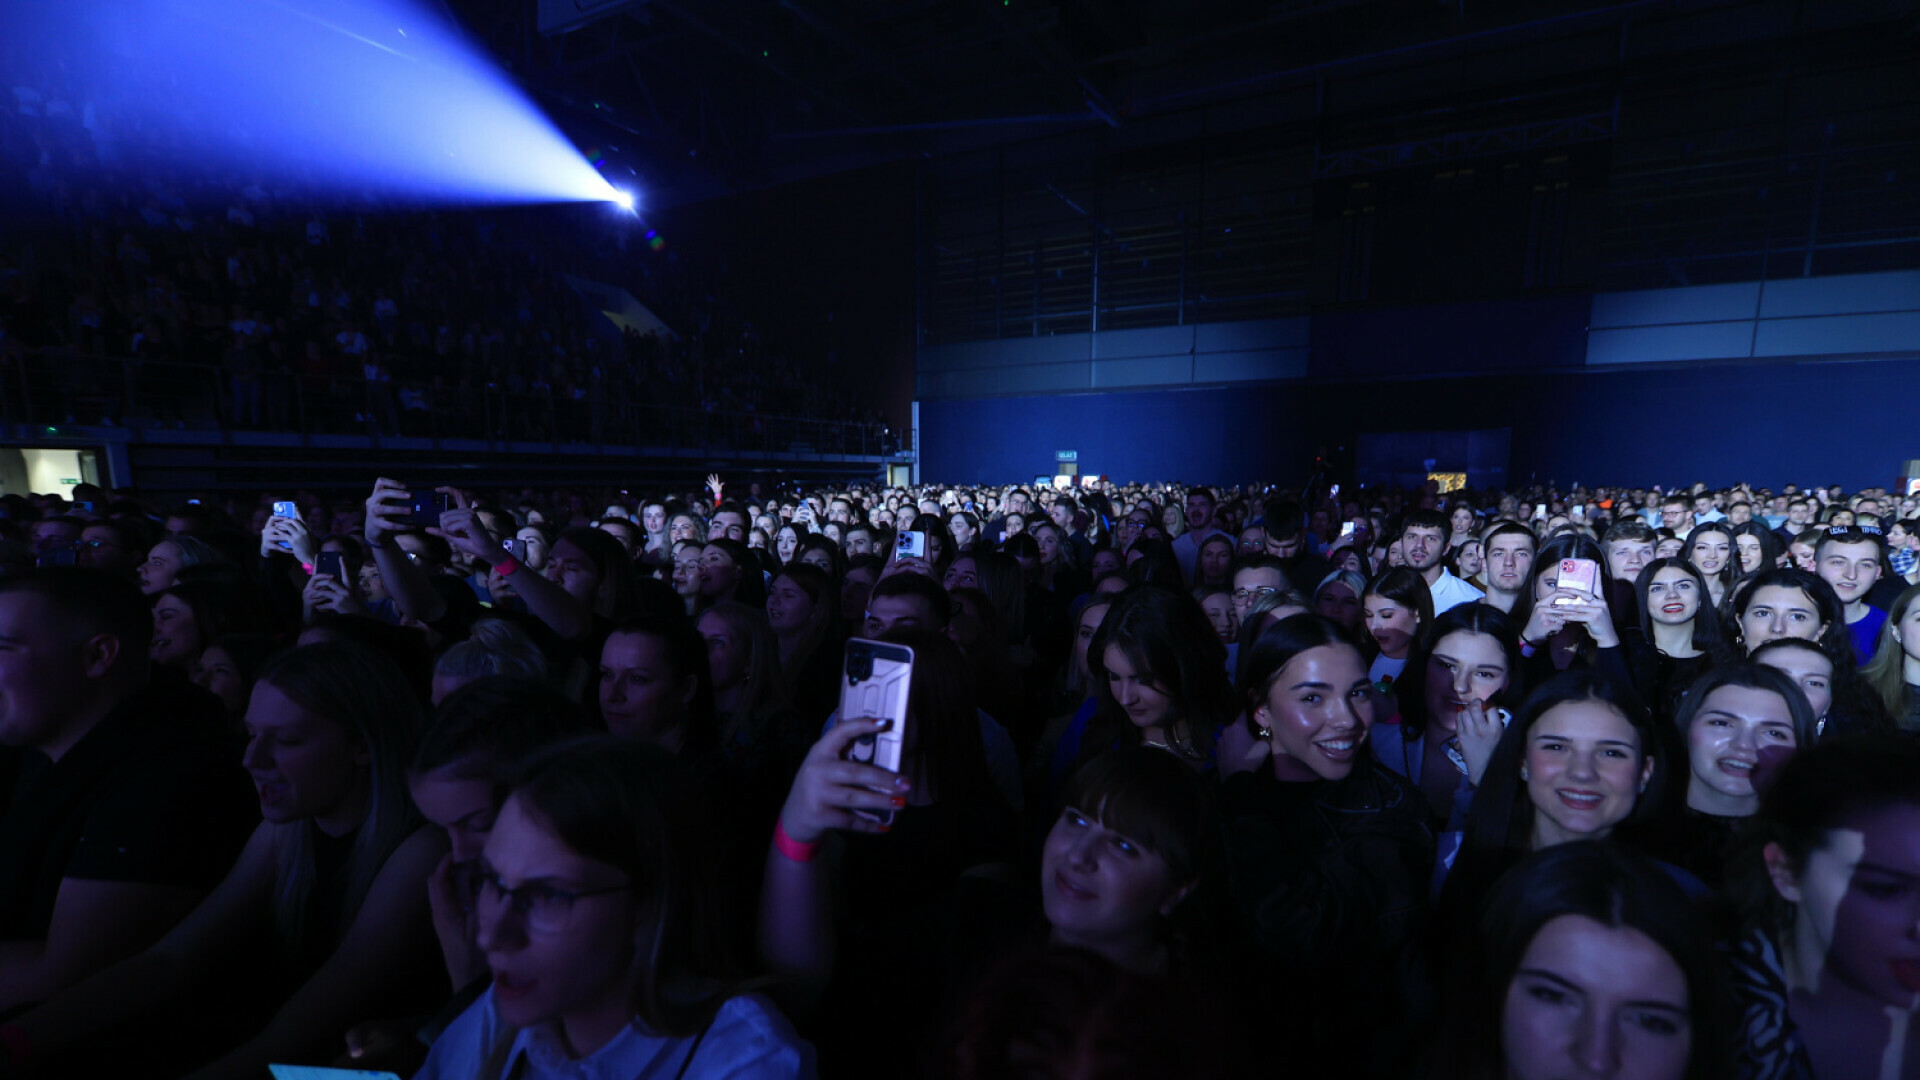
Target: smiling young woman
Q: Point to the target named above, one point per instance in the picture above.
(1329, 851)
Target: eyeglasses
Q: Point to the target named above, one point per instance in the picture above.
(544, 908)
(1254, 594)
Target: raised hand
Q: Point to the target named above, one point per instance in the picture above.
(387, 510)
(1479, 730)
(829, 788)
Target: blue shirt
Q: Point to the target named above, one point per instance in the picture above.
(1866, 633)
(749, 1040)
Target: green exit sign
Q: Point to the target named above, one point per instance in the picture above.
(71, 480)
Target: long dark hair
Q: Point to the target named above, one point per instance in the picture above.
(1708, 634)
(1610, 886)
(1729, 572)
(614, 596)
(1500, 827)
(1165, 635)
(1771, 547)
(1567, 545)
(823, 626)
(1475, 618)
(1835, 640)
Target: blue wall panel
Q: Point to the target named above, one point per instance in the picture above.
(1204, 436)
(1845, 423)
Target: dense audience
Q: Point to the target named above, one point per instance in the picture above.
(137, 291)
(1604, 782)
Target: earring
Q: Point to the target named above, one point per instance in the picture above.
(1524, 774)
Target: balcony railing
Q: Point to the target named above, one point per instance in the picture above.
(57, 387)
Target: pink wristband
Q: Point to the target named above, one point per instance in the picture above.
(505, 567)
(791, 848)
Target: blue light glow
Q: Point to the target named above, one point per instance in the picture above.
(359, 97)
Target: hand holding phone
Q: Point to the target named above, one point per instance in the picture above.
(875, 679)
(331, 564)
(1579, 576)
(834, 791)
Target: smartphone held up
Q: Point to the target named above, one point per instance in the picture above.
(875, 679)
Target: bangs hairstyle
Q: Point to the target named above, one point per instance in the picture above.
(634, 807)
(366, 694)
(1152, 798)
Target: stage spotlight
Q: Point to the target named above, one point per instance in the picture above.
(623, 200)
(328, 94)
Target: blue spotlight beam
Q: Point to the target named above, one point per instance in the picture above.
(357, 97)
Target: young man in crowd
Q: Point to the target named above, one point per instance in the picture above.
(1423, 537)
(1186, 546)
(124, 803)
(1799, 517)
(1850, 559)
(1510, 547)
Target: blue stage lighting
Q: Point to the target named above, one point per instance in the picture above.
(380, 98)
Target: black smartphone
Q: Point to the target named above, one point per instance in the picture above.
(65, 556)
(427, 506)
(332, 562)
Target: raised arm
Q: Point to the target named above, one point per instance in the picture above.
(796, 905)
(546, 600)
(411, 589)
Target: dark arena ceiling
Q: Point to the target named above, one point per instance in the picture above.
(699, 98)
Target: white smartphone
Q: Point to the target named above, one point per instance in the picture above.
(910, 545)
(875, 679)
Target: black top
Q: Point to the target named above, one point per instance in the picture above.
(1659, 679)
(1330, 881)
(1329, 871)
(1702, 844)
(154, 794)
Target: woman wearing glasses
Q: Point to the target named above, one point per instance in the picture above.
(599, 934)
